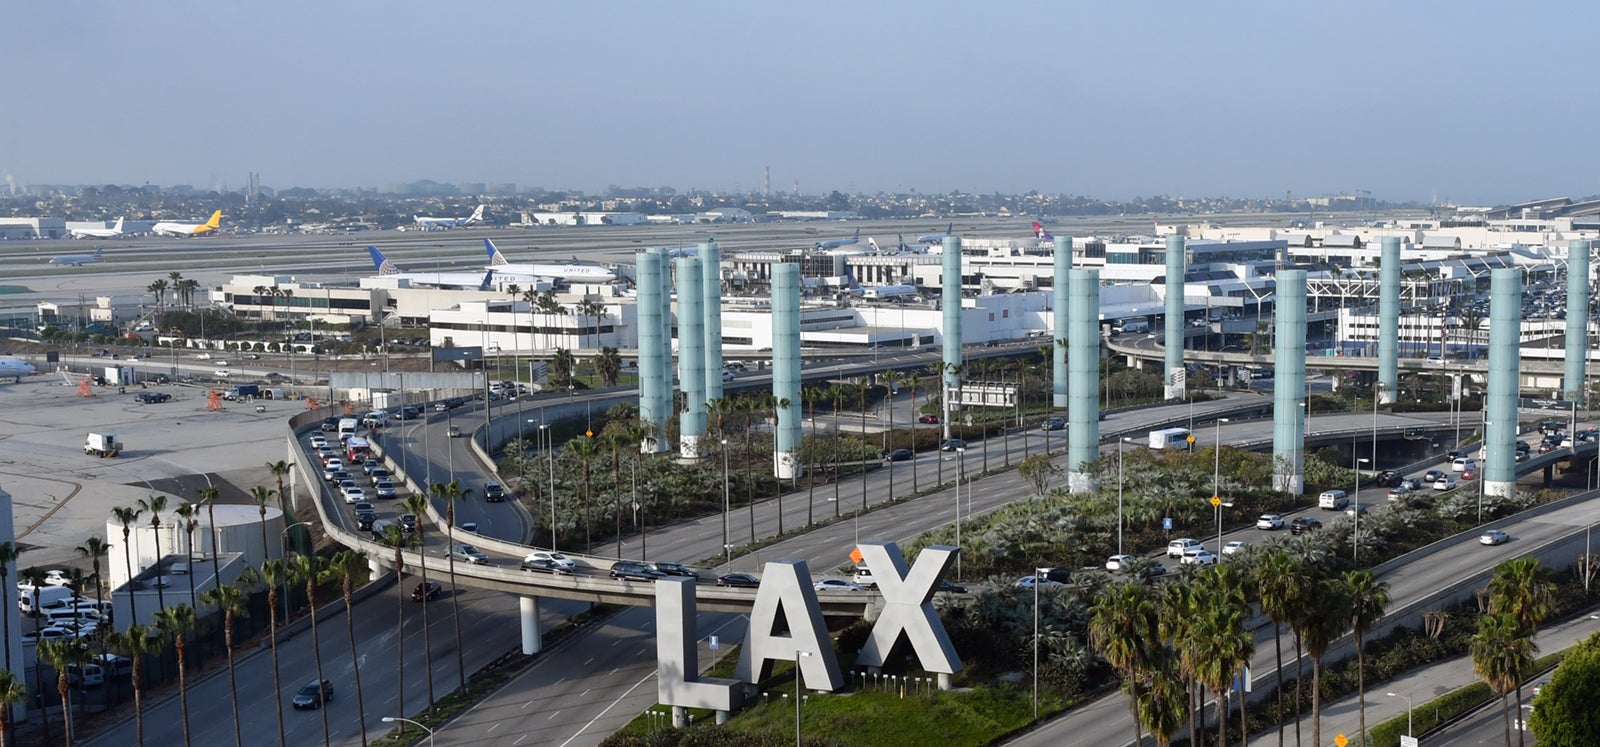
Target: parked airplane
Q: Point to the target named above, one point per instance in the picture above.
(836, 243)
(77, 260)
(570, 273)
(424, 221)
(387, 268)
(1040, 233)
(934, 238)
(169, 228)
(98, 233)
(15, 368)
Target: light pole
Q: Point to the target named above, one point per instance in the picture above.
(392, 719)
(1377, 392)
(797, 655)
(961, 458)
(1038, 574)
(727, 548)
(283, 536)
(1216, 479)
(1355, 533)
(550, 456)
(1409, 730)
(1486, 425)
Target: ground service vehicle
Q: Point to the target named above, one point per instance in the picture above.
(242, 392)
(1170, 438)
(102, 445)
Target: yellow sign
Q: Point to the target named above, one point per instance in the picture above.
(590, 434)
(1215, 501)
(1341, 740)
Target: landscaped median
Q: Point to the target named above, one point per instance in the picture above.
(1445, 709)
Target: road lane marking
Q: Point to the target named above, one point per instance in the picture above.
(492, 728)
(614, 703)
(525, 705)
(519, 740)
(590, 661)
(553, 715)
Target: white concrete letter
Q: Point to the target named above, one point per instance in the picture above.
(786, 586)
(908, 606)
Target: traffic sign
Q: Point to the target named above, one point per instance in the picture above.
(1215, 501)
(1166, 523)
(1341, 740)
(590, 433)
(1408, 742)
(855, 555)
(714, 643)
(1190, 439)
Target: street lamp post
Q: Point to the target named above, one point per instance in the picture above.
(1038, 574)
(1355, 533)
(1409, 730)
(1486, 425)
(392, 719)
(961, 458)
(797, 656)
(726, 547)
(550, 456)
(1216, 479)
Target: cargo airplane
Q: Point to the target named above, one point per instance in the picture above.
(571, 273)
(98, 233)
(425, 222)
(77, 260)
(15, 368)
(170, 228)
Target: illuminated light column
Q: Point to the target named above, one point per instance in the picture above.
(1577, 320)
(1174, 375)
(1389, 320)
(950, 300)
(1063, 299)
(1289, 384)
(652, 348)
(1083, 411)
(786, 366)
(1505, 370)
(691, 359)
(666, 402)
(711, 306)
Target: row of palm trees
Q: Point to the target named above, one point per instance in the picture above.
(1521, 595)
(182, 288)
(1169, 645)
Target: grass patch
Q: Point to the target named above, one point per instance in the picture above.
(14, 289)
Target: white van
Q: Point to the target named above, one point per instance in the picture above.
(376, 419)
(49, 597)
(1462, 464)
(347, 428)
(1333, 500)
(68, 617)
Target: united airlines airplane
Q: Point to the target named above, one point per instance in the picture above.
(15, 368)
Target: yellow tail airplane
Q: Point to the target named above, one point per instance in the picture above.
(165, 228)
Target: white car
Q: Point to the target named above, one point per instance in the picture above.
(1198, 556)
(835, 584)
(318, 442)
(56, 577)
(556, 558)
(1177, 547)
(1269, 522)
(354, 494)
(1118, 562)
(1235, 546)
(1448, 482)
(1028, 582)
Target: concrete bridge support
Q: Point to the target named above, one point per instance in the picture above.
(532, 637)
(654, 388)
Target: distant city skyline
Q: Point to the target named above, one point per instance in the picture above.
(1398, 102)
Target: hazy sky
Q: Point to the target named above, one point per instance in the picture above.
(1467, 101)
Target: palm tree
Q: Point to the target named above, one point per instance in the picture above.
(451, 492)
(1175, 623)
(155, 504)
(92, 548)
(1500, 655)
(1123, 628)
(1278, 579)
(892, 378)
(231, 601)
(835, 393)
(60, 654)
(9, 553)
(12, 691)
(609, 366)
(1522, 589)
(208, 497)
(418, 504)
(187, 521)
(911, 382)
(395, 536)
(273, 573)
(33, 576)
(562, 366)
(279, 469)
(159, 290)
(1163, 705)
(1368, 597)
(350, 565)
(311, 569)
(127, 516)
(810, 395)
(262, 496)
(136, 643)
(1220, 638)
(584, 448)
(1322, 628)
(175, 623)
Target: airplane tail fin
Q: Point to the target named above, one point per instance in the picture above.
(495, 257)
(215, 221)
(118, 226)
(857, 237)
(384, 265)
(872, 243)
(477, 215)
(488, 280)
(1038, 230)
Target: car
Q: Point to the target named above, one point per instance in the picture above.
(1303, 524)
(1448, 482)
(49, 633)
(319, 442)
(325, 452)
(161, 379)
(633, 571)
(408, 522)
(1176, 548)
(545, 565)
(738, 581)
(385, 489)
(1387, 479)
(337, 478)
(864, 578)
(329, 425)
(313, 695)
(453, 431)
(379, 474)
(1233, 547)
(1118, 562)
(1494, 537)
(1029, 582)
(728, 375)
(1411, 483)
(369, 466)
(1269, 522)
(552, 556)
(835, 584)
(152, 398)
(1539, 687)
(427, 591)
(363, 506)
(674, 569)
(468, 553)
(1198, 556)
(365, 519)
(493, 492)
(928, 419)
(1432, 476)
(949, 588)
(354, 494)
(349, 482)
(1399, 493)
(1053, 424)
(899, 455)
(332, 463)
(468, 526)
(954, 444)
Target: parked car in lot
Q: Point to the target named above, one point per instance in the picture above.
(468, 553)
(1303, 524)
(426, 592)
(633, 571)
(1269, 522)
(1494, 537)
(835, 584)
(738, 580)
(313, 695)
